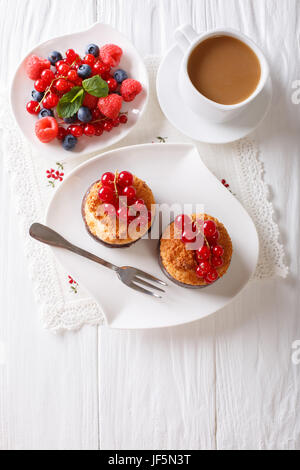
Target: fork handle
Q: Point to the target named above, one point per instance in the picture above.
(46, 235)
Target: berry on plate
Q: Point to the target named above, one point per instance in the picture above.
(84, 114)
(125, 178)
(120, 75)
(84, 71)
(110, 105)
(40, 85)
(44, 112)
(111, 54)
(32, 107)
(47, 75)
(54, 57)
(100, 68)
(112, 84)
(69, 142)
(92, 49)
(34, 66)
(89, 130)
(130, 89)
(46, 129)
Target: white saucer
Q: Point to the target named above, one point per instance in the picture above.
(194, 126)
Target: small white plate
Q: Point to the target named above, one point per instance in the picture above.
(197, 127)
(175, 173)
(131, 62)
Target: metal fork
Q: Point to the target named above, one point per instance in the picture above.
(130, 276)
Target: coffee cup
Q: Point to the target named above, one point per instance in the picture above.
(188, 40)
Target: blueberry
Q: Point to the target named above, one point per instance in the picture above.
(45, 113)
(36, 95)
(54, 57)
(84, 71)
(84, 114)
(71, 119)
(120, 75)
(92, 49)
(69, 142)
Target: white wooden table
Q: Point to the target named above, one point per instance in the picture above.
(224, 382)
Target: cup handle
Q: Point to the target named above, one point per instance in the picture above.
(184, 36)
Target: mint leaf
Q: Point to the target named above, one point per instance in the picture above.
(95, 86)
(69, 104)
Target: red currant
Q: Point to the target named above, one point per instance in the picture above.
(123, 119)
(33, 107)
(108, 179)
(63, 68)
(72, 75)
(61, 133)
(52, 100)
(109, 209)
(183, 222)
(203, 268)
(112, 84)
(139, 202)
(188, 236)
(217, 250)
(98, 130)
(125, 178)
(203, 253)
(40, 85)
(77, 131)
(69, 129)
(130, 193)
(107, 126)
(89, 130)
(71, 56)
(214, 238)
(47, 75)
(216, 261)
(58, 63)
(211, 276)
(209, 228)
(89, 59)
(99, 67)
(62, 85)
(122, 213)
(106, 194)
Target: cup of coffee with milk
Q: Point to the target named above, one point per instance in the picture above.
(222, 72)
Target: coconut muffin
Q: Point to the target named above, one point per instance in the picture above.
(118, 209)
(195, 251)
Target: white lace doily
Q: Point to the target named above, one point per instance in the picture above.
(64, 304)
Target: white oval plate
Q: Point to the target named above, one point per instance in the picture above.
(131, 62)
(195, 126)
(175, 173)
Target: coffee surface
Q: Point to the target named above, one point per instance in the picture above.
(224, 69)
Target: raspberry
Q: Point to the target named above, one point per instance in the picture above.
(34, 66)
(90, 101)
(111, 54)
(111, 105)
(130, 88)
(46, 129)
